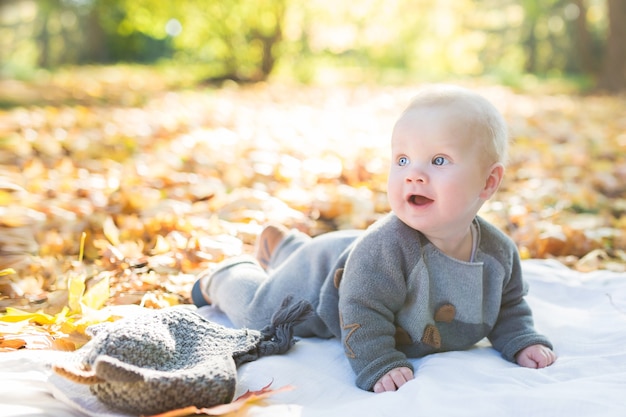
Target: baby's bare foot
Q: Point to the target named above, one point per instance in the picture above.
(268, 240)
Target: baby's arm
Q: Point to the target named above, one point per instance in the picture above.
(535, 356)
(372, 291)
(393, 379)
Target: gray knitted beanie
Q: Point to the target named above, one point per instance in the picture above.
(174, 358)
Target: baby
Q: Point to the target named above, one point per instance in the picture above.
(431, 276)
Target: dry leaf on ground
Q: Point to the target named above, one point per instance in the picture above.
(167, 186)
(245, 400)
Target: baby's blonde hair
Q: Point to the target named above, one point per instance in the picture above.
(478, 111)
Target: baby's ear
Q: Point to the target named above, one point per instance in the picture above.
(493, 181)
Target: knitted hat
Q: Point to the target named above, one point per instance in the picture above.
(174, 358)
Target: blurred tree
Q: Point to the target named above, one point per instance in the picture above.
(244, 40)
(577, 11)
(530, 40)
(236, 39)
(613, 76)
(596, 45)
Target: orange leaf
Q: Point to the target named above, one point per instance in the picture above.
(180, 412)
(11, 344)
(223, 409)
(35, 340)
(246, 398)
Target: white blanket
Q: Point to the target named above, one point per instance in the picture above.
(583, 314)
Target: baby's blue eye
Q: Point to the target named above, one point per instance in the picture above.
(403, 160)
(439, 160)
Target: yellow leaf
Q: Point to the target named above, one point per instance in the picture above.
(14, 315)
(7, 271)
(83, 236)
(91, 317)
(79, 323)
(111, 231)
(76, 289)
(161, 245)
(97, 295)
(6, 198)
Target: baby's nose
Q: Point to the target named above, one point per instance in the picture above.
(416, 175)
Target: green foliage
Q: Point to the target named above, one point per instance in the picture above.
(247, 40)
(235, 39)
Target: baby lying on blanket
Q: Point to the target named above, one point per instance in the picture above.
(431, 276)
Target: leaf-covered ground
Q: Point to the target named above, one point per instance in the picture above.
(117, 189)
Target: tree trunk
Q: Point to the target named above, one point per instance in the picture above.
(588, 64)
(95, 49)
(613, 77)
(530, 45)
(43, 40)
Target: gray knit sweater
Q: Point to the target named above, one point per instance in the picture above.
(400, 297)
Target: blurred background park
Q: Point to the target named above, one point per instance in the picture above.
(513, 42)
(143, 141)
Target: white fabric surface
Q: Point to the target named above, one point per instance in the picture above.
(583, 314)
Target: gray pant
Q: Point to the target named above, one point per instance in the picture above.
(299, 267)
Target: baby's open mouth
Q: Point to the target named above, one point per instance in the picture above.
(419, 200)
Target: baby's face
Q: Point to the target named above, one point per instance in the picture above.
(438, 171)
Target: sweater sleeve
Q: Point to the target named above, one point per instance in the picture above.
(514, 330)
(373, 289)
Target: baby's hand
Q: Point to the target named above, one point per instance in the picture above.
(393, 379)
(535, 356)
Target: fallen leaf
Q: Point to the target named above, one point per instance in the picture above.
(35, 341)
(246, 399)
(8, 344)
(128, 197)
(7, 271)
(97, 295)
(13, 315)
